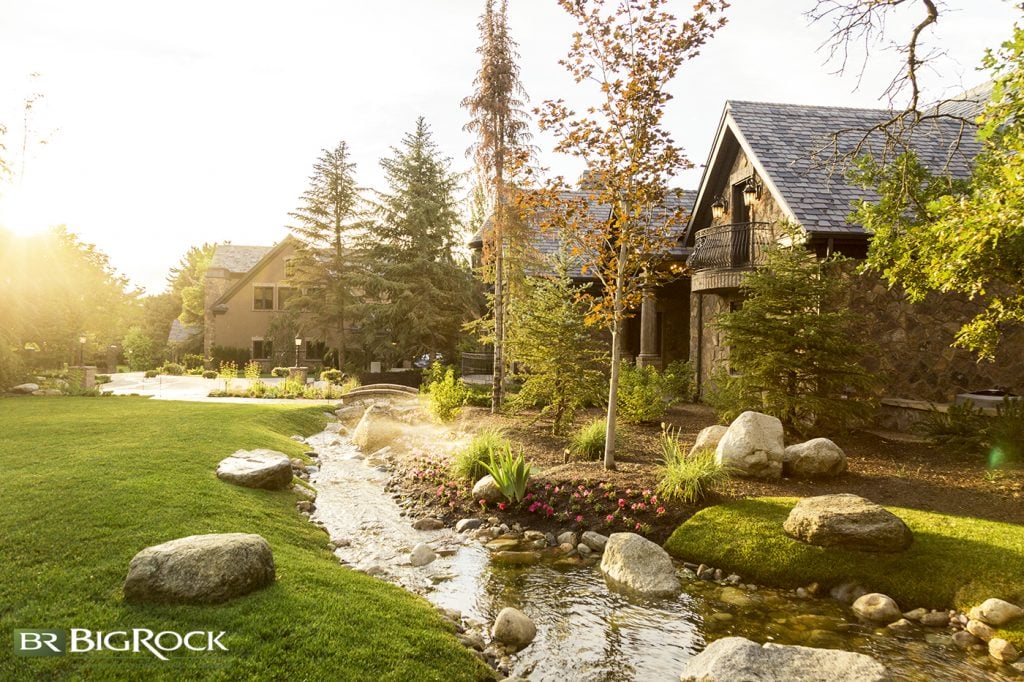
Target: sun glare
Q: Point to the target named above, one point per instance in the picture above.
(20, 215)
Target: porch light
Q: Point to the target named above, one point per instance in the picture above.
(298, 345)
(718, 208)
(752, 191)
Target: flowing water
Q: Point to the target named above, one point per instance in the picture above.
(585, 631)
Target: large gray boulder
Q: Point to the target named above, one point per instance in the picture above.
(708, 438)
(513, 628)
(25, 388)
(639, 565)
(752, 446)
(735, 659)
(847, 521)
(200, 569)
(262, 468)
(818, 457)
(487, 489)
(996, 612)
(377, 428)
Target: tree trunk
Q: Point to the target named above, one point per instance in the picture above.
(498, 385)
(613, 396)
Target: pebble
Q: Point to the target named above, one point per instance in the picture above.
(428, 523)
(422, 554)
(902, 625)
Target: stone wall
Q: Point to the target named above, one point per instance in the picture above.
(707, 349)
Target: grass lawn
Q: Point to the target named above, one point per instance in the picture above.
(954, 561)
(88, 482)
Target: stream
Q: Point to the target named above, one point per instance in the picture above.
(584, 630)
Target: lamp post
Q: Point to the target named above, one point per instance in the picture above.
(298, 345)
(81, 351)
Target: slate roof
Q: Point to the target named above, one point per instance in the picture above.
(180, 333)
(237, 258)
(794, 145)
(547, 243)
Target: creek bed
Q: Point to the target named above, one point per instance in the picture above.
(585, 631)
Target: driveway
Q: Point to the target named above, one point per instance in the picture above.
(190, 388)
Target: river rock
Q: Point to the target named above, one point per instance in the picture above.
(817, 457)
(964, 640)
(422, 554)
(708, 438)
(935, 619)
(516, 558)
(200, 569)
(262, 468)
(428, 523)
(996, 612)
(847, 521)
(752, 446)
(568, 538)
(377, 428)
(902, 625)
(464, 525)
(736, 597)
(487, 489)
(731, 659)
(1001, 650)
(25, 388)
(877, 607)
(48, 392)
(594, 541)
(513, 628)
(639, 565)
(980, 630)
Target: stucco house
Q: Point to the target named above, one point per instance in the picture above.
(246, 287)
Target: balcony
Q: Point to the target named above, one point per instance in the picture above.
(724, 253)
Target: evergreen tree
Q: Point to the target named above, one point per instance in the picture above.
(560, 355)
(794, 345)
(417, 294)
(324, 269)
(187, 284)
(498, 121)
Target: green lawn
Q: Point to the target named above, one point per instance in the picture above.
(954, 561)
(88, 482)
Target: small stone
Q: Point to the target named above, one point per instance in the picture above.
(736, 597)
(468, 524)
(801, 593)
(980, 630)
(964, 639)
(915, 615)
(733, 579)
(422, 554)
(935, 619)
(719, 574)
(298, 463)
(513, 628)
(427, 523)
(298, 439)
(568, 538)
(305, 506)
(566, 547)
(533, 535)
(877, 607)
(996, 612)
(552, 540)
(583, 550)
(594, 541)
(1001, 650)
(472, 641)
(902, 625)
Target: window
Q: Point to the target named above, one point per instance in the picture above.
(283, 294)
(263, 298)
(262, 349)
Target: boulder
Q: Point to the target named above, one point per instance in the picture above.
(818, 457)
(568, 538)
(377, 428)
(708, 438)
(996, 612)
(752, 446)
(878, 608)
(935, 619)
(513, 628)
(48, 392)
(849, 522)
(1001, 650)
(487, 489)
(639, 565)
(594, 541)
(735, 658)
(25, 388)
(980, 630)
(200, 569)
(267, 469)
(422, 554)
(428, 523)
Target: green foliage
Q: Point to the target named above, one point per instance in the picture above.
(932, 233)
(279, 372)
(470, 462)
(479, 396)
(511, 473)
(209, 374)
(173, 369)
(12, 369)
(726, 395)
(251, 371)
(333, 376)
(679, 381)
(193, 360)
(150, 373)
(187, 282)
(350, 384)
(588, 442)
(796, 346)
(560, 358)
(103, 379)
(1006, 433)
(447, 396)
(641, 394)
(138, 349)
(221, 354)
(689, 479)
(961, 427)
(434, 374)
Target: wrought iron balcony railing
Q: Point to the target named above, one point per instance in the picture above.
(731, 247)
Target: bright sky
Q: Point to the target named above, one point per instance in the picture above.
(173, 124)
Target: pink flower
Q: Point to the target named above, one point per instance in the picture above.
(661, 510)
(647, 493)
(579, 518)
(549, 510)
(654, 499)
(547, 487)
(483, 503)
(641, 506)
(555, 491)
(609, 518)
(622, 503)
(501, 506)
(535, 506)
(633, 506)
(637, 525)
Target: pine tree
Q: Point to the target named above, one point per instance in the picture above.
(498, 121)
(794, 345)
(324, 270)
(417, 294)
(560, 355)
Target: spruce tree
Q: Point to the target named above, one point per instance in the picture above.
(323, 270)
(418, 294)
(794, 345)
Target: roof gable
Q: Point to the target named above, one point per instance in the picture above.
(236, 258)
(271, 253)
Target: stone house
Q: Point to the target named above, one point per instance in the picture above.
(246, 288)
(772, 164)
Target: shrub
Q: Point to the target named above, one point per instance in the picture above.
(222, 354)
(470, 461)
(228, 371)
(679, 382)
(1006, 432)
(279, 372)
(433, 375)
(479, 396)
(641, 394)
(251, 371)
(209, 374)
(350, 384)
(193, 360)
(511, 473)
(687, 478)
(588, 442)
(447, 396)
(150, 373)
(725, 395)
(173, 369)
(961, 427)
(12, 369)
(103, 379)
(333, 376)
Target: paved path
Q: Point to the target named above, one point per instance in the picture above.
(191, 388)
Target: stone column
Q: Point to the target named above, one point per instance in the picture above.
(649, 355)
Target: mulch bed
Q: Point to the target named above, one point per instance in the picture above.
(582, 495)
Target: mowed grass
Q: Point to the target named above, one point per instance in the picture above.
(953, 562)
(86, 483)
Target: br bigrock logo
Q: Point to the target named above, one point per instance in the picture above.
(138, 640)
